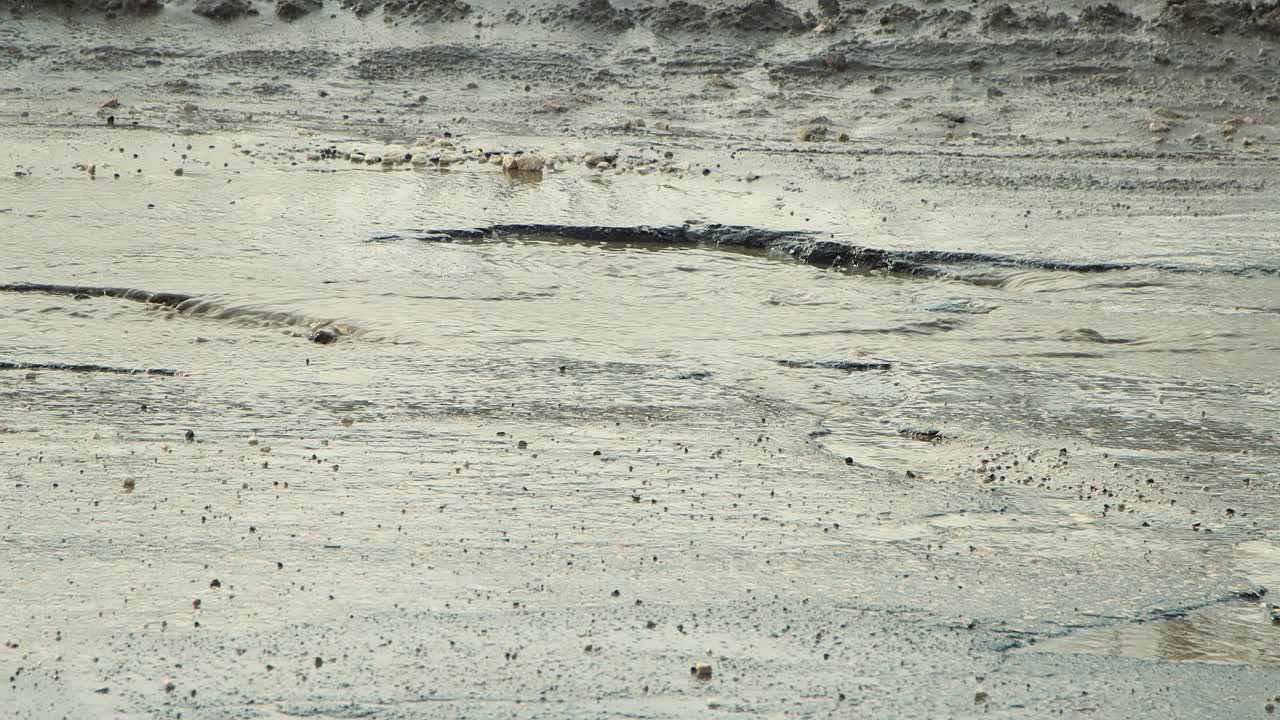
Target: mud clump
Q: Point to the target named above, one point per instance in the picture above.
(947, 19)
(125, 7)
(428, 11)
(483, 62)
(674, 17)
(294, 9)
(423, 11)
(1004, 19)
(593, 14)
(297, 63)
(1108, 18)
(223, 9)
(361, 7)
(764, 16)
(899, 14)
(1218, 18)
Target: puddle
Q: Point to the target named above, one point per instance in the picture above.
(1239, 632)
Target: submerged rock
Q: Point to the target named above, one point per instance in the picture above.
(323, 336)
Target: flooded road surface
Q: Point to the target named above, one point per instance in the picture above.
(896, 425)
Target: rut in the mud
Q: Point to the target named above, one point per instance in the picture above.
(75, 367)
(805, 246)
(322, 332)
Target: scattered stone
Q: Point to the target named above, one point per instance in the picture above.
(129, 484)
(701, 671)
(190, 436)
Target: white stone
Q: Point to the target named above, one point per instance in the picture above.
(530, 163)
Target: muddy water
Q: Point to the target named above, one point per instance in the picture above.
(1081, 459)
(1171, 364)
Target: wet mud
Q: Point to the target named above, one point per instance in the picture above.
(773, 359)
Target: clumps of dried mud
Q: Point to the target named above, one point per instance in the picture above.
(1218, 18)
(1232, 17)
